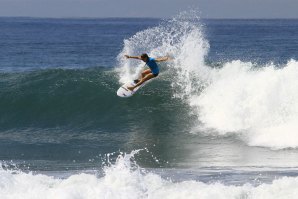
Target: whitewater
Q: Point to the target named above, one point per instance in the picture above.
(125, 179)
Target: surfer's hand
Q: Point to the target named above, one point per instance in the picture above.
(127, 56)
(169, 58)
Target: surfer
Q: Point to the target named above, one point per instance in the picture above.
(148, 73)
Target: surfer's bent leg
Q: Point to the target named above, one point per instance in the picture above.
(146, 78)
(143, 74)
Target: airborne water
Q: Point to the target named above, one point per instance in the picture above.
(219, 122)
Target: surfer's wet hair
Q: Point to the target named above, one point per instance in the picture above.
(144, 55)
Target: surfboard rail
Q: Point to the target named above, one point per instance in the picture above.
(123, 91)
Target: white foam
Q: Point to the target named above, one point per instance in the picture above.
(122, 180)
(259, 104)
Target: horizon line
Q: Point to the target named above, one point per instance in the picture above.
(160, 18)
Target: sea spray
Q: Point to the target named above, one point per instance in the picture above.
(180, 38)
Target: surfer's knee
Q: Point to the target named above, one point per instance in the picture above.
(146, 72)
(148, 76)
(155, 75)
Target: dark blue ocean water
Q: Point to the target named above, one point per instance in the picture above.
(78, 43)
(59, 110)
(260, 41)
(65, 43)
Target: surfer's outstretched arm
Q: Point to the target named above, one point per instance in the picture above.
(160, 59)
(132, 57)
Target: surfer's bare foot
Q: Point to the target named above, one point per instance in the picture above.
(130, 88)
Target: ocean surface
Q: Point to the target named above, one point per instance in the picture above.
(220, 121)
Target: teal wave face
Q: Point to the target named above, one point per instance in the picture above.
(83, 98)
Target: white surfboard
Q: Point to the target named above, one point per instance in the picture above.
(123, 91)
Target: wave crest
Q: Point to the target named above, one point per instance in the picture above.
(257, 103)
